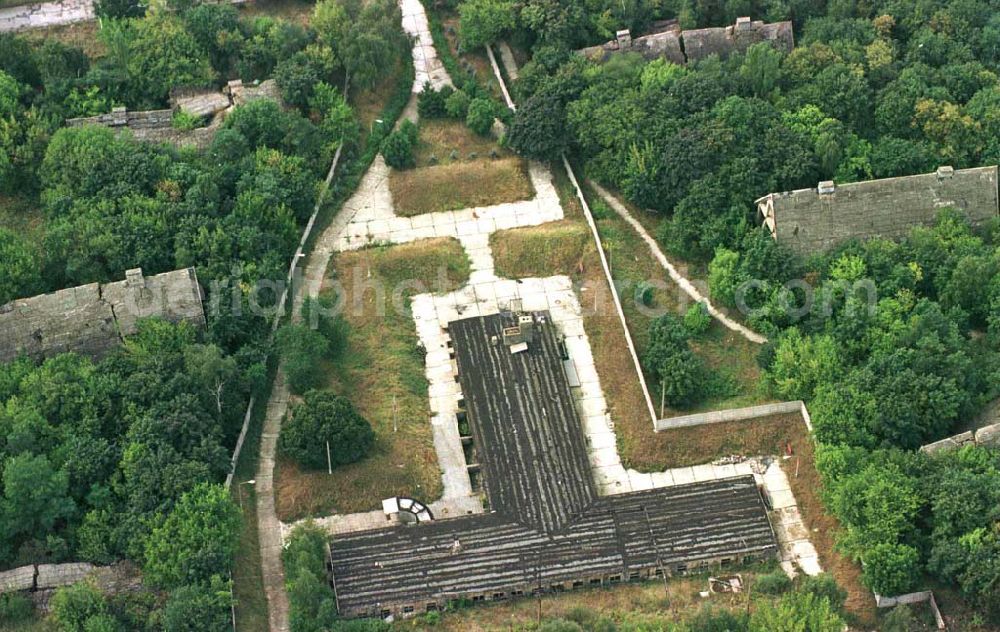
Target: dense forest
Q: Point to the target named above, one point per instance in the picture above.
(124, 458)
(872, 89)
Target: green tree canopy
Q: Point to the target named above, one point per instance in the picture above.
(196, 540)
(325, 418)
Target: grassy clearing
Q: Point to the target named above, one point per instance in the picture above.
(379, 367)
(459, 185)
(445, 141)
(369, 104)
(82, 35)
(642, 605)
(298, 11)
(23, 216)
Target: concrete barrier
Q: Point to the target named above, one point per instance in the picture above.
(734, 414)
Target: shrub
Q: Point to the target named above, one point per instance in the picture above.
(301, 350)
(823, 585)
(891, 569)
(480, 117)
(457, 105)
(697, 320)
(73, 605)
(318, 315)
(398, 147)
(198, 607)
(644, 293)
(773, 583)
(431, 102)
(326, 419)
(673, 365)
(184, 121)
(715, 619)
(15, 607)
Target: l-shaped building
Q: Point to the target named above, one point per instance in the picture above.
(547, 529)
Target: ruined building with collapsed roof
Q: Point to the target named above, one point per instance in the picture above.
(813, 220)
(668, 41)
(547, 529)
(157, 126)
(93, 319)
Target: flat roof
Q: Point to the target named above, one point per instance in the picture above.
(813, 220)
(524, 419)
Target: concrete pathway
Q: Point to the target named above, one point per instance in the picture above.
(373, 195)
(269, 529)
(679, 279)
(29, 16)
(426, 64)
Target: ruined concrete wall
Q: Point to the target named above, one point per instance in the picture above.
(813, 220)
(988, 436)
(669, 42)
(91, 319)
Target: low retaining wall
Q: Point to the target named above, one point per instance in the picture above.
(988, 436)
(912, 598)
(734, 414)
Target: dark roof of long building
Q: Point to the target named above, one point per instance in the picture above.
(522, 412)
(492, 553)
(547, 524)
(813, 220)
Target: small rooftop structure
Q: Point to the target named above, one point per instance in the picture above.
(668, 41)
(93, 319)
(813, 220)
(548, 529)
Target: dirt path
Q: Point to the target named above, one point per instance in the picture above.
(680, 280)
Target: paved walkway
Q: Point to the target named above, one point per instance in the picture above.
(372, 194)
(29, 16)
(677, 277)
(426, 64)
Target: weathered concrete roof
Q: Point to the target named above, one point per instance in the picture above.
(202, 103)
(152, 126)
(547, 527)
(92, 319)
(58, 575)
(669, 42)
(737, 38)
(813, 220)
(242, 93)
(156, 126)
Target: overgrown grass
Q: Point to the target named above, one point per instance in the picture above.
(23, 216)
(82, 35)
(639, 605)
(459, 185)
(380, 368)
(298, 11)
(441, 139)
